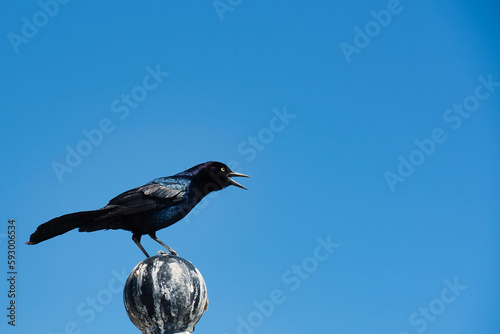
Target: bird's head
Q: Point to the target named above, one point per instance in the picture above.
(215, 176)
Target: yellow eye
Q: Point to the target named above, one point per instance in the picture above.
(223, 169)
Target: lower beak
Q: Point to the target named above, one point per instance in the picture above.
(233, 182)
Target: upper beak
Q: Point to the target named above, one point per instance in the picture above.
(233, 182)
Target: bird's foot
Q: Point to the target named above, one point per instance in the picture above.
(153, 236)
(162, 252)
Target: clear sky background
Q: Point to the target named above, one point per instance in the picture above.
(371, 153)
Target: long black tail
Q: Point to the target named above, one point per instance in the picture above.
(63, 224)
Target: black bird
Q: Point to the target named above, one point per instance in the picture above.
(146, 209)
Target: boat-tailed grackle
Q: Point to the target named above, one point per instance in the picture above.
(146, 209)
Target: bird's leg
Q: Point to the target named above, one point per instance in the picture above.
(153, 236)
(137, 240)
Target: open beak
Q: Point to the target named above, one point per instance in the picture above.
(233, 182)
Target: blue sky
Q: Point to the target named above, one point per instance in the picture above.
(369, 129)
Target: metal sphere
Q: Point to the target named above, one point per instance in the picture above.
(165, 294)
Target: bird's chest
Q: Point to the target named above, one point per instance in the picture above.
(173, 214)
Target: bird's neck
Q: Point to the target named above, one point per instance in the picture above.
(200, 191)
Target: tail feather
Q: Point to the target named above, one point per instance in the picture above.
(63, 224)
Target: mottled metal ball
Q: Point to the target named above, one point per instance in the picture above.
(165, 294)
